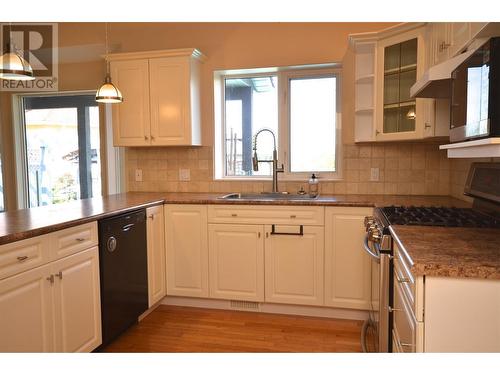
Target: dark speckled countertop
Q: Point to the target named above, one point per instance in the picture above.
(21, 224)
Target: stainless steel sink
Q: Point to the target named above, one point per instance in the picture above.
(268, 196)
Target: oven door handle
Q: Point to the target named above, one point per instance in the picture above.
(369, 250)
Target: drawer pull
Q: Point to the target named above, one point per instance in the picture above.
(59, 275)
(392, 309)
(234, 215)
(80, 239)
(273, 231)
(293, 216)
(22, 258)
(151, 216)
(51, 279)
(402, 280)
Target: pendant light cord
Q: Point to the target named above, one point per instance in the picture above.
(107, 50)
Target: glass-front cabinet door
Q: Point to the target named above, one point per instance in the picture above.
(400, 62)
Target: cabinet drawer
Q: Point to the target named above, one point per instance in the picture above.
(411, 286)
(266, 214)
(22, 255)
(404, 323)
(72, 240)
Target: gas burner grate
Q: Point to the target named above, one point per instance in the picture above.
(439, 216)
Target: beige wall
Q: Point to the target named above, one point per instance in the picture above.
(405, 168)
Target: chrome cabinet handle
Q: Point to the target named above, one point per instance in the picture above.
(392, 309)
(59, 275)
(79, 239)
(51, 279)
(402, 280)
(22, 258)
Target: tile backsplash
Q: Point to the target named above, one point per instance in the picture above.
(404, 168)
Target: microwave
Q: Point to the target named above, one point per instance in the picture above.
(475, 95)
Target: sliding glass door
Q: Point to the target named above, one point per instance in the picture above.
(62, 148)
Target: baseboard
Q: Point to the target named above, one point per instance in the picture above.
(272, 308)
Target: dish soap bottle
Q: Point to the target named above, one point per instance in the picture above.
(313, 185)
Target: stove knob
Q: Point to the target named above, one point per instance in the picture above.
(375, 235)
(369, 220)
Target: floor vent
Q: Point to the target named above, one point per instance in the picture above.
(244, 305)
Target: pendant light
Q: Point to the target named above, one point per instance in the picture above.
(108, 93)
(13, 66)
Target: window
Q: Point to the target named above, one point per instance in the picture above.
(62, 148)
(300, 106)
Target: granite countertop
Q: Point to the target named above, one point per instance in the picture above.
(21, 224)
(450, 252)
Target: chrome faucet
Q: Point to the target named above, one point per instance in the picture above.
(256, 161)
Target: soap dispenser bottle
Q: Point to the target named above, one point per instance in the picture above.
(313, 185)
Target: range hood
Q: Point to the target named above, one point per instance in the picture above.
(435, 82)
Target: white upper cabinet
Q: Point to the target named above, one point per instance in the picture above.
(131, 119)
(400, 62)
(387, 64)
(161, 91)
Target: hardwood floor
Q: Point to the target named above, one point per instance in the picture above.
(187, 329)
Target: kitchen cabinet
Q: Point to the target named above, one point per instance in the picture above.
(294, 264)
(77, 302)
(400, 62)
(161, 91)
(27, 312)
(54, 307)
(186, 232)
(236, 258)
(447, 39)
(131, 119)
(155, 227)
(387, 64)
(347, 266)
(443, 314)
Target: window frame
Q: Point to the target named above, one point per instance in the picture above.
(284, 75)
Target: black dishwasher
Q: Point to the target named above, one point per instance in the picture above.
(124, 272)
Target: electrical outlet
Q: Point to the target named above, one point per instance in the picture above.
(184, 174)
(138, 175)
(374, 174)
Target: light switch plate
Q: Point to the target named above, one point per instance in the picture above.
(374, 174)
(184, 174)
(138, 175)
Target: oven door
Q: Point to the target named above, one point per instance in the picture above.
(375, 331)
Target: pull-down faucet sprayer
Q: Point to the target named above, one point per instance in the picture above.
(256, 161)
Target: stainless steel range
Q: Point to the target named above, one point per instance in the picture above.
(483, 184)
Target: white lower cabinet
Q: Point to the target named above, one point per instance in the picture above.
(236, 261)
(157, 288)
(26, 311)
(294, 264)
(186, 232)
(77, 302)
(347, 266)
(55, 307)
